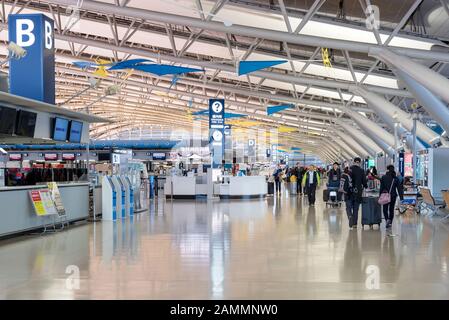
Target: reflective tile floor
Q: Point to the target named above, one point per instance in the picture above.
(269, 249)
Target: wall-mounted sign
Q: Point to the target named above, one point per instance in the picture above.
(401, 163)
(15, 156)
(35, 34)
(68, 157)
(159, 156)
(51, 157)
(115, 158)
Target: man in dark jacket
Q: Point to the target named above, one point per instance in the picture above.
(359, 182)
(300, 174)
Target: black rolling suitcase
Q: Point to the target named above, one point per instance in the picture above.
(271, 188)
(325, 195)
(371, 211)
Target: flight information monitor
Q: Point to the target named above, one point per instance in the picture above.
(61, 128)
(76, 130)
(26, 124)
(7, 120)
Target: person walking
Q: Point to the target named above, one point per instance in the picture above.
(390, 183)
(359, 183)
(301, 172)
(277, 174)
(311, 180)
(334, 176)
(348, 194)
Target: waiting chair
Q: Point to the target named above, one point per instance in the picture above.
(446, 201)
(429, 204)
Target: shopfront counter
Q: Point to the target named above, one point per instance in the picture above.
(244, 187)
(185, 187)
(17, 213)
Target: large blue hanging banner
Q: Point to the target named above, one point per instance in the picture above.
(274, 109)
(246, 67)
(33, 76)
(216, 130)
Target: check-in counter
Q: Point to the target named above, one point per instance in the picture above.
(185, 187)
(17, 213)
(244, 187)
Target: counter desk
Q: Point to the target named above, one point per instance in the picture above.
(250, 187)
(185, 187)
(17, 213)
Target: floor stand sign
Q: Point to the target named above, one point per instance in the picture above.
(45, 207)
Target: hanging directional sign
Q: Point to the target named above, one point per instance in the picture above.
(246, 67)
(274, 109)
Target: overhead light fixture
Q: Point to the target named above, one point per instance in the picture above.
(3, 151)
(112, 90)
(15, 52)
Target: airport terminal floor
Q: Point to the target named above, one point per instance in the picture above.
(276, 248)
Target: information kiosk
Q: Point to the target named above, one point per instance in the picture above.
(121, 196)
(109, 201)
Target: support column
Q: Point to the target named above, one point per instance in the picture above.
(361, 137)
(433, 105)
(388, 110)
(334, 153)
(345, 147)
(383, 138)
(338, 152)
(432, 80)
(361, 151)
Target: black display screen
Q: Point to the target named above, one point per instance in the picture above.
(26, 124)
(104, 157)
(7, 120)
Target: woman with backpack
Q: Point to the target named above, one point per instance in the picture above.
(390, 189)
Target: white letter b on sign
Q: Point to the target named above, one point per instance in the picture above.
(24, 33)
(48, 35)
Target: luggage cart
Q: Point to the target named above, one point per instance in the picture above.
(332, 197)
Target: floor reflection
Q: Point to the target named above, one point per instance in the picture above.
(276, 248)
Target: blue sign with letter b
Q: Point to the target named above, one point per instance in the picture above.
(34, 75)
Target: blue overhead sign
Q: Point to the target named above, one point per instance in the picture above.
(216, 113)
(33, 76)
(216, 130)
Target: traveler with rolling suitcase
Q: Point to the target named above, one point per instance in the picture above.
(352, 183)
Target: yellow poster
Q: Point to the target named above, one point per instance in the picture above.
(37, 203)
